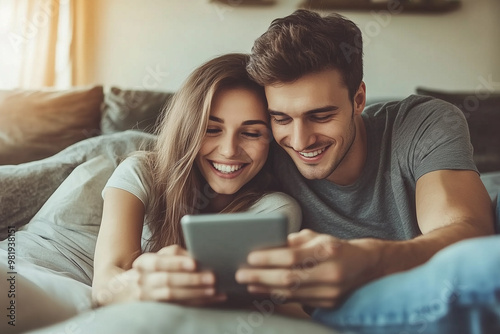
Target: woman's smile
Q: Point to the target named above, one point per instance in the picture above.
(228, 170)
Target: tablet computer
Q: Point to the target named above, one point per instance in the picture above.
(221, 242)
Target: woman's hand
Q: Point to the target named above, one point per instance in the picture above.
(170, 275)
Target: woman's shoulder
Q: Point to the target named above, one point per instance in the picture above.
(278, 197)
(136, 160)
(133, 175)
(135, 164)
(280, 202)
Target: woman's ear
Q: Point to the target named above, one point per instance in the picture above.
(360, 99)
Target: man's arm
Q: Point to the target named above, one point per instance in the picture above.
(451, 206)
(320, 270)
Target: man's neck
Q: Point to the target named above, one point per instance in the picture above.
(352, 166)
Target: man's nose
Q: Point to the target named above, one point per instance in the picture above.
(301, 137)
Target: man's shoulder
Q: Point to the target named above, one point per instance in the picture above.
(412, 109)
(425, 104)
(407, 104)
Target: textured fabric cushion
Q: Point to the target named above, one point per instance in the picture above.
(35, 124)
(482, 111)
(132, 109)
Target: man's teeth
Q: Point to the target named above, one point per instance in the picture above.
(226, 168)
(312, 154)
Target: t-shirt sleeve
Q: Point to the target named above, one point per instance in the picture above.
(436, 137)
(282, 203)
(130, 176)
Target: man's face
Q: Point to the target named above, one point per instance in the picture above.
(313, 119)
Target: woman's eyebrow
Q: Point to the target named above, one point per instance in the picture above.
(249, 122)
(216, 119)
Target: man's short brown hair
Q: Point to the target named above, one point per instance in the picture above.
(304, 43)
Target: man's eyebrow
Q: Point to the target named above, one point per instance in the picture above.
(322, 109)
(276, 113)
(216, 119)
(309, 112)
(252, 122)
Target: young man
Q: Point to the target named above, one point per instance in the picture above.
(382, 189)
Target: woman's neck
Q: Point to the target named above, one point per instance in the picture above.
(218, 203)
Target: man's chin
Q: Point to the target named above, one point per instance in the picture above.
(313, 174)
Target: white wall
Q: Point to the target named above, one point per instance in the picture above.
(154, 44)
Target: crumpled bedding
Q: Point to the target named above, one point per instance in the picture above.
(55, 204)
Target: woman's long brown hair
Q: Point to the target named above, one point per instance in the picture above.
(178, 187)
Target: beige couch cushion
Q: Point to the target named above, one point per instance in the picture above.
(35, 124)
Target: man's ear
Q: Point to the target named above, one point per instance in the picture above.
(360, 99)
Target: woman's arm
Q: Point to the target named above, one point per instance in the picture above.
(118, 245)
(123, 273)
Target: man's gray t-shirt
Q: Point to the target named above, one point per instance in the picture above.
(405, 140)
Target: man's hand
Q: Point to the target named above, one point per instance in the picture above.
(317, 270)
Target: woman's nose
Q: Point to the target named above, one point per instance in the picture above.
(229, 146)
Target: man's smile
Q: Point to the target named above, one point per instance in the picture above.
(312, 156)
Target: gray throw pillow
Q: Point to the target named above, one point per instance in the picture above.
(132, 109)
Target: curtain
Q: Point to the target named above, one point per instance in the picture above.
(82, 45)
(45, 43)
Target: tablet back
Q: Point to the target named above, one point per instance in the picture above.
(221, 242)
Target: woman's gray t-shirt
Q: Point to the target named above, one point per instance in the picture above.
(131, 176)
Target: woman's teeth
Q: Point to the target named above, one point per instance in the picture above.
(226, 169)
(312, 154)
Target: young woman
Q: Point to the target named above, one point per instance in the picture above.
(210, 157)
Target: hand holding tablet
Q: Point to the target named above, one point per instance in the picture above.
(222, 242)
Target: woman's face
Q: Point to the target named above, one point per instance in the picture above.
(236, 143)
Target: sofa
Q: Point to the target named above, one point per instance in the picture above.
(35, 124)
(38, 125)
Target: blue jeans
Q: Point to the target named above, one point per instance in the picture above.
(456, 291)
